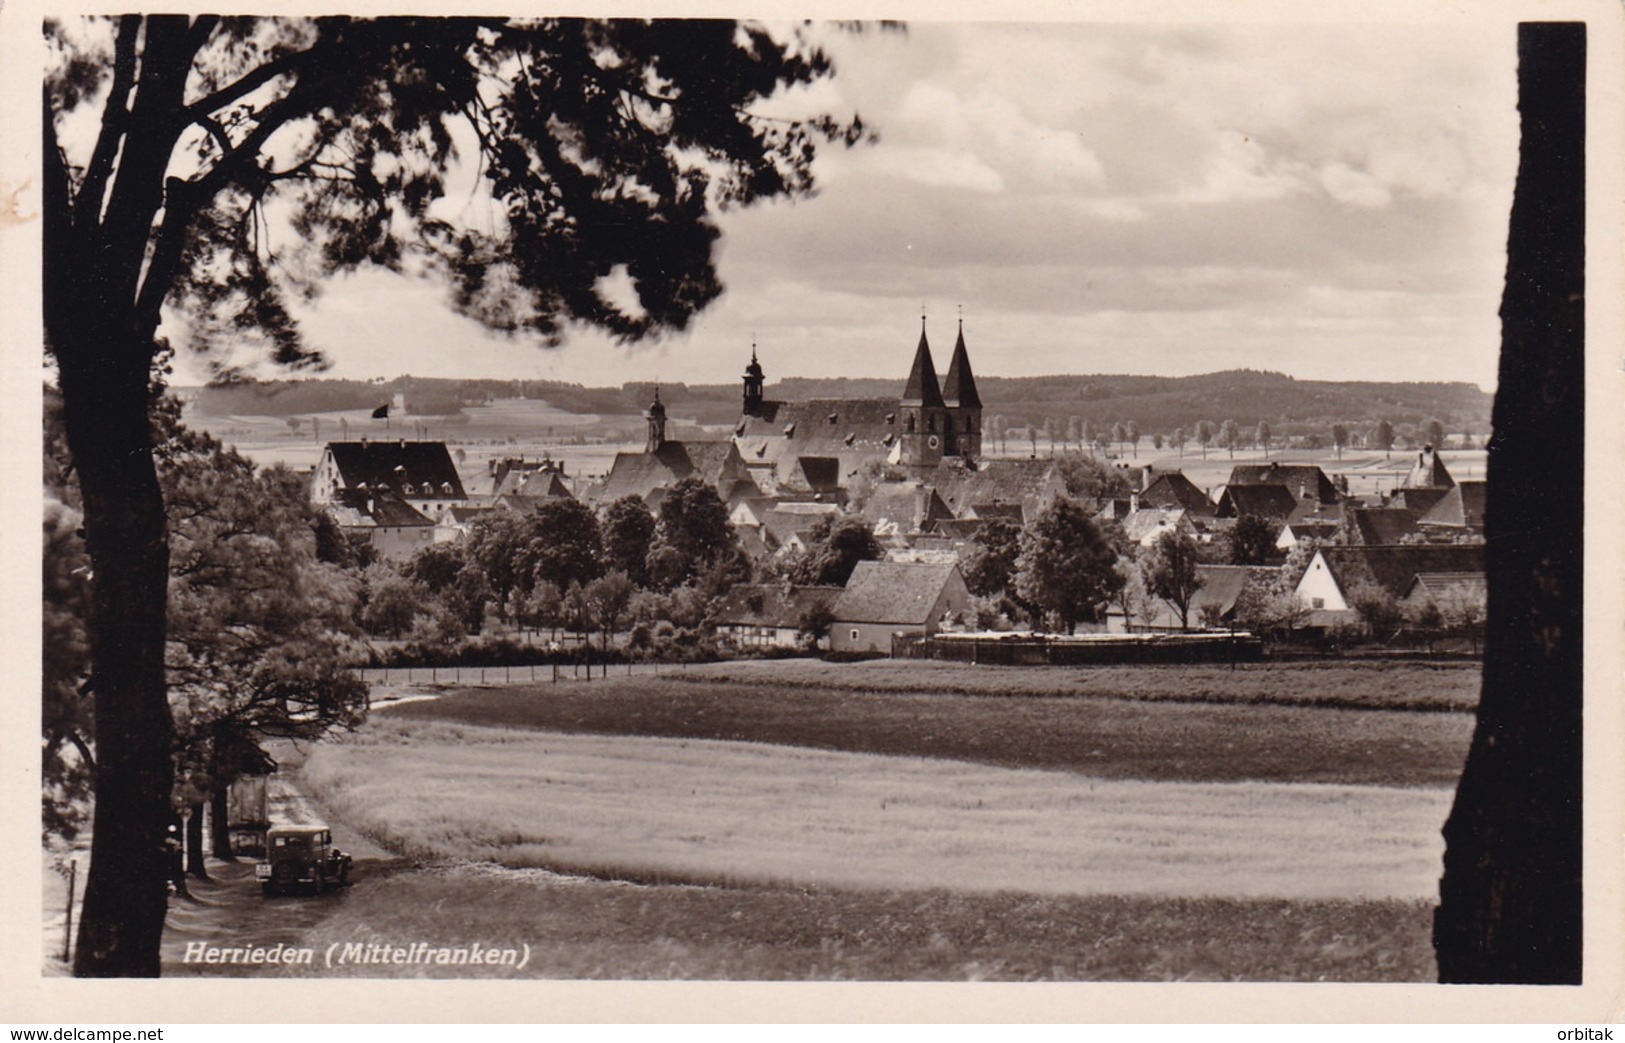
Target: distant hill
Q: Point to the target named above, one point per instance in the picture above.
(1156, 404)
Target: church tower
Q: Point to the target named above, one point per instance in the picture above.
(924, 415)
(753, 384)
(656, 416)
(964, 418)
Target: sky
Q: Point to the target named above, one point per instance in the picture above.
(1328, 201)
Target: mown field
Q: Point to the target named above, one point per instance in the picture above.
(1261, 724)
(801, 820)
(593, 929)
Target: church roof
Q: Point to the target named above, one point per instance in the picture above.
(959, 389)
(1428, 472)
(922, 388)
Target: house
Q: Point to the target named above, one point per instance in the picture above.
(1374, 526)
(773, 616)
(885, 598)
(1302, 481)
(1428, 587)
(1335, 572)
(516, 476)
(902, 508)
(419, 474)
(968, 487)
(1173, 489)
(395, 528)
(1270, 502)
(1312, 520)
(454, 524)
(1146, 525)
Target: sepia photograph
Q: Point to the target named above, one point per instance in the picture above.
(920, 500)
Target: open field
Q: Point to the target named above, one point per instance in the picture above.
(1099, 737)
(1347, 684)
(709, 812)
(592, 929)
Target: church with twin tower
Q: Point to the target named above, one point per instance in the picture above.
(819, 444)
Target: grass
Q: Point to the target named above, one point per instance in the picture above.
(1437, 685)
(584, 929)
(732, 813)
(1103, 738)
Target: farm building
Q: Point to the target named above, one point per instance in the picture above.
(885, 598)
(1214, 603)
(1334, 572)
(774, 616)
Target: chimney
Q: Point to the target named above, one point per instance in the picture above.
(1133, 502)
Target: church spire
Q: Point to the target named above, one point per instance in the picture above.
(922, 388)
(959, 388)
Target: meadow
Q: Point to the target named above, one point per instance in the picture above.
(1159, 724)
(801, 820)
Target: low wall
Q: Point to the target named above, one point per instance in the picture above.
(1092, 649)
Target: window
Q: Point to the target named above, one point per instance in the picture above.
(1317, 602)
(854, 634)
(910, 423)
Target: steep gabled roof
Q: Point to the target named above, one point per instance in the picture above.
(892, 592)
(1378, 525)
(640, 474)
(1030, 483)
(393, 466)
(1301, 480)
(1461, 507)
(905, 506)
(1431, 584)
(1263, 501)
(922, 389)
(1417, 499)
(1314, 512)
(1173, 489)
(959, 388)
(1394, 567)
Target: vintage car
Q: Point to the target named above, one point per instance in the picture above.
(301, 856)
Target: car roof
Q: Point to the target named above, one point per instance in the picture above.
(303, 829)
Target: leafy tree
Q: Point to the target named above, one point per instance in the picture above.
(562, 544)
(1384, 437)
(1170, 572)
(990, 563)
(839, 544)
(1376, 608)
(1252, 540)
(1204, 435)
(692, 533)
(607, 598)
(1435, 434)
(1156, 441)
(1263, 434)
(435, 567)
(1086, 478)
(1132, 429)
(812, 626)
(606, 147)
(629, 531)
(1133, 599)
(1340, 438)
(1269, 607)
(1177, 440)
(1066, 565)
(392, 602)
(67, 726)
(1229, 435)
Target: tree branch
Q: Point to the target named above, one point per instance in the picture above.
(87, 203)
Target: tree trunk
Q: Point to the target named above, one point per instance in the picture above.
(125, 893)
(1510, 906)
(195, 865)
(219, 826)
